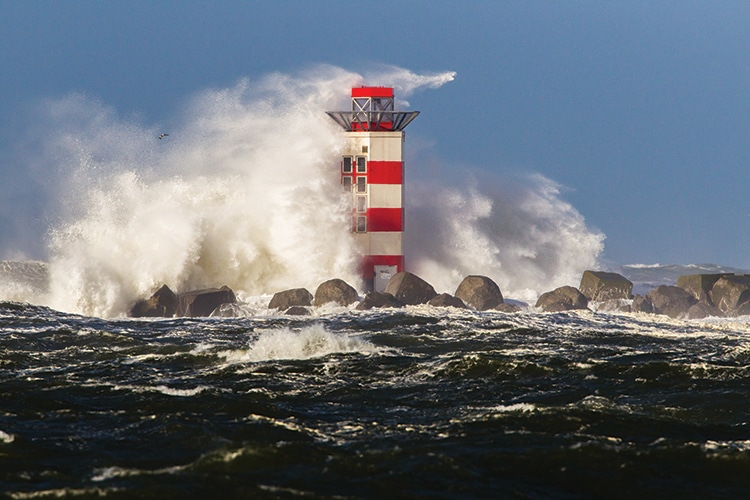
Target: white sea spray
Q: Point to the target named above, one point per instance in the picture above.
(244, 192)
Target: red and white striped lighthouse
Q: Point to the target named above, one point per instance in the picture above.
(372, 169)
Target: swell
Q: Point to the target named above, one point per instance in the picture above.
(408, 403)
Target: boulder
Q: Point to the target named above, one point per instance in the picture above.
(297, 311)
(410, 289)
(703, 310)
(743, 309)
(162, 304)
(600, 286)
(671, 301)
(564, 298)
(379, 299)
(229, 311)
(203, 302)
(699, 285)
(507, 307)
(479, 292)
(625, 308)
(447, 300)
(642, 304)
(730, 292)
(290, 298)
(337, 291)
(614, 305)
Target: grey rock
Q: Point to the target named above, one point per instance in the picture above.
(204, 302)
(447, 300)
(743, 309)
(337, 291)
(601, 286)
(671, 301)
(162, 304)
(613, 305)
(479, 292)
(703, 310)
(229, 311)
(289, 298)
(410, 289)
(730, 292)
(699, 285)
(297, 311)
(642, 304)
(564, 298)
(507, 307)
(379, 299)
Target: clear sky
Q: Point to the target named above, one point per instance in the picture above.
(639, 109)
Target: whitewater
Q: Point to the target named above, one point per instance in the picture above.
(392, 403)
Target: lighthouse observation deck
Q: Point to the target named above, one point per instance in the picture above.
(372, 111)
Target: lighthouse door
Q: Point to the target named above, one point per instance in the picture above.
(383, 275)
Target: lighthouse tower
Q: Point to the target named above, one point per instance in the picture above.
(372, 170)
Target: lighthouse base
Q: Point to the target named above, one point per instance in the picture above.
(383, 275)
(377, 270)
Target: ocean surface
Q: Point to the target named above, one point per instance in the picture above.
(418, 402)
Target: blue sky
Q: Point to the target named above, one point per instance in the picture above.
(639, 109)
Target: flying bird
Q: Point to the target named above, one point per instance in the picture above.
(162, 136)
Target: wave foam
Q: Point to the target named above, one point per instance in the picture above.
(310, 342)
(6, 438)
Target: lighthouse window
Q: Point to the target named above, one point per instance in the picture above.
(364, 149)
(361, 224)
(361, 184)
(361, 204)
(361, 164)
(346, 182)
(346, 166)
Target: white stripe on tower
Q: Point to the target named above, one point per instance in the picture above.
(385, 196)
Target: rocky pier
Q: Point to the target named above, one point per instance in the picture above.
(693, 297)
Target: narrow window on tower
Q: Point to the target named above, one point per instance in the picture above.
(346, 182)
(361, 164)
(346, 165)
(361, 204)
(361, 184)
(361, 224)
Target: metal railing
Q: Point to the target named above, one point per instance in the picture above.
(373, 120)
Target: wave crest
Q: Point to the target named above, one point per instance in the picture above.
(309, 342)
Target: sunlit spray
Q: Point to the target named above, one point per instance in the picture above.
(244, 192)
(517, 231)
(240, 194)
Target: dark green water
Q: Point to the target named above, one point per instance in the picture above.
(409, 403)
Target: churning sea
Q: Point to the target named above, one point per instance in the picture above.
(398, 403)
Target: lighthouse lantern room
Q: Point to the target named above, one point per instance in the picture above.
(372, 170)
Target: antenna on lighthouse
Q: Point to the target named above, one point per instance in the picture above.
(372, 170)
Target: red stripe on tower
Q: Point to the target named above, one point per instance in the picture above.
(372, 169)
(385, 219)
(369, 92)
(385, 172)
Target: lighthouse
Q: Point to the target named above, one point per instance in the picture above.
(372, 171)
